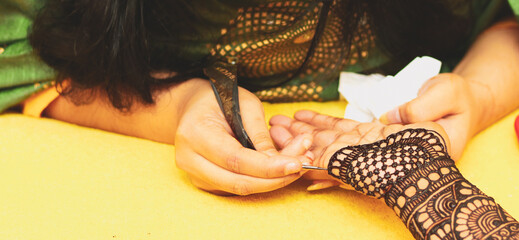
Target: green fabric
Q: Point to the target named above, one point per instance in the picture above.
(21, 73)
(514, 4)
(15, 95)
(20, 67)
(484, 11)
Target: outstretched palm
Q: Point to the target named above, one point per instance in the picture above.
(331, 134)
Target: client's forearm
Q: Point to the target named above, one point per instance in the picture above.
(412, 171)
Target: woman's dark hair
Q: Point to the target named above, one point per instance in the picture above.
(105, 45)
(115, 45)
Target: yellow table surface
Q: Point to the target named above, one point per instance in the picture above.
(61, 181)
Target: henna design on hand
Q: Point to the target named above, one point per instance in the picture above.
(419, 181)
(373, 168)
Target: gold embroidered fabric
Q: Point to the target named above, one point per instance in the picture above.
(269, 43)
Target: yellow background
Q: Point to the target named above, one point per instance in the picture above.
(61, 181)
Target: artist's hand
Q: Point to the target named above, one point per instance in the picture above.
(215, 160)
(331, 134)
(448, 100)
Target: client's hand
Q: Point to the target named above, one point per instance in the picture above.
(215, 160)
(331, 134)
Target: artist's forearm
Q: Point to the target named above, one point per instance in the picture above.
(492, 68)
(416, 177)
(157, 122)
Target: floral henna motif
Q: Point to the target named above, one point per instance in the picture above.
(436, 202)
(419, 181)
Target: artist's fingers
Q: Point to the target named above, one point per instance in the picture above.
(436, 99)
(219, 147)
(207, 187)
(254, 123)
(230, 182)
(322, 121)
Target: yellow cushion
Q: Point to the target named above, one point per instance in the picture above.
(61, 181)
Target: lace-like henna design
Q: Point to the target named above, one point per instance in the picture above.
(373, 168)
(419, 181)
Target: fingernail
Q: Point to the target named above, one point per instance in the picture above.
(307, 143)
(292, 168)
(315, 187)
(392, 116)
(396, 116)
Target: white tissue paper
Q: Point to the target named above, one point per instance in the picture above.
(370, 96)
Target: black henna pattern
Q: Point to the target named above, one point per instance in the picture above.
(423, 187)
(373, 168)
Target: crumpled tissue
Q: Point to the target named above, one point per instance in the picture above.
(370, 96)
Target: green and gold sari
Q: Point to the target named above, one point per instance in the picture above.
(275, 64)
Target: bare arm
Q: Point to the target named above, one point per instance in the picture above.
(188, 116)
(156, 122)
(481, 90)
(491, 67)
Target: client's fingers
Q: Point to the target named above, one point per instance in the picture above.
(280, 120)
(281, 136)
(322, 121)
(322, 184)
(294, 126)
(320, 137)
(297, 146)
